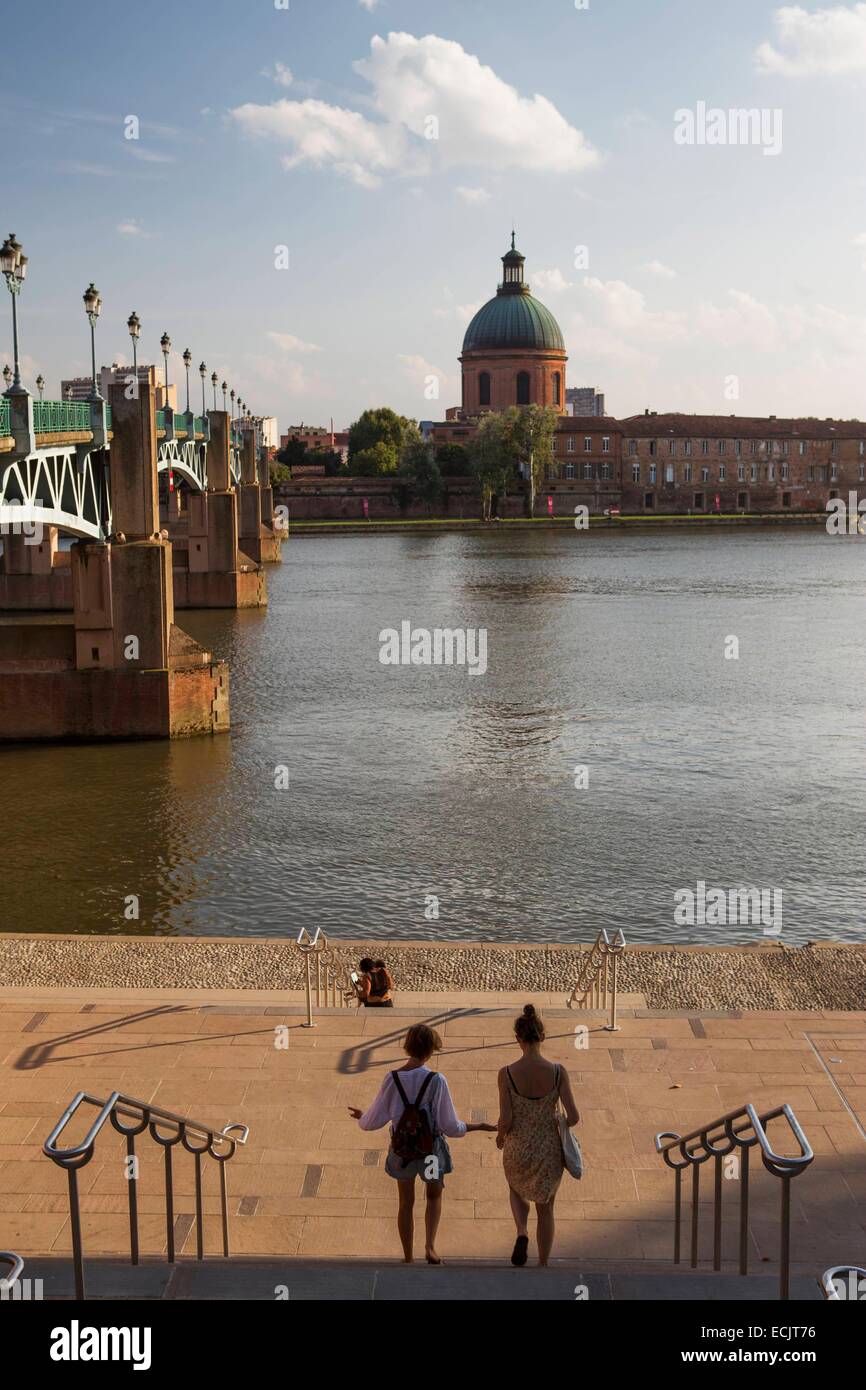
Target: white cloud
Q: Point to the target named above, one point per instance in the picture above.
(815, 41)
(461, 312)
(472, 195)
(440, 107)
(550, 281)
(742, 322)
(664, 272)
(622, 310)
(280, 74)
(287, 342)
(148, 156)
(370, 4)
(132, 228)
(420, 373)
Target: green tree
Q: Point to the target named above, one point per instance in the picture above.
(376, 461)
(293, 453)
(533, 428)
(453, 460)
(419, 475)
(380, 426)
(492, 457)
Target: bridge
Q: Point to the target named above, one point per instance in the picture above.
(165, 509)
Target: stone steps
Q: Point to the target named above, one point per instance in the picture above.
(245, 1279)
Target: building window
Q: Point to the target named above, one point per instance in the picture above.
(705, 475)
(753, 447)
(649, 501)
(802, 447)
(587, 444)
(833, 446)
(605, 444)
(652, 448)
(523, 388)
(587, 470)
(721, 446)
(557, 388)
(784, 446)
(652, 473)
(606, 470)
(771, 473)
(635, 472)
(569, 470)
(705, 446)
(862, 447)
(822, 473)
(687, 448)
(722, 472)
(784, 472)
(738, 447)
(811, 473)
(742, 500)
(569, 444)
(741, 472)
(632, 446)
(699, 501)
(687, 473)
(786, 499)
(669, 473)
(754, 472)
(834, 472)
(484, 388)
(672, 447)
(863, 473)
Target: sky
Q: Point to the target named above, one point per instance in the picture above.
(313, 195)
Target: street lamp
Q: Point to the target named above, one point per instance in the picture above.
(69, 393)
(224, 388)
(202, 371)
(187, 359)
(213, 381)
(13, 263)
(232, 399)
(40, 384)
(165, 344)
(133, 323)
(92, 305)
(7, 377)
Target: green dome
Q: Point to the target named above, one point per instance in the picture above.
(513, 321)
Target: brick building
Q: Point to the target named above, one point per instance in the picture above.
(514, 354)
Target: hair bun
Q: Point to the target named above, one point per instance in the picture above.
(529, 1011)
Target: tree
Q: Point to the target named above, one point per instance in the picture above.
(533, 428)
(380, 426)
(453, 460)
(492, 458)
(330, 459)
(419, 475)
(379, 459)
(293, 453)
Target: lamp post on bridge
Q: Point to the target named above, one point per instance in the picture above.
(213, 381)
(40, 384)
(7, 377)
(13, 263)
(133, 323)
(93, 304)
(187, 360)
(232, 399)
(202, 371)
(224, 388)
(165, 344)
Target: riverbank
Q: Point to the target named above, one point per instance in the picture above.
(735, 521)
(823, 975)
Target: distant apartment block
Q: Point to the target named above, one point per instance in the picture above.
(78, 388)
(584, 400)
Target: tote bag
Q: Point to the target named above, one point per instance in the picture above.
(571, 1154)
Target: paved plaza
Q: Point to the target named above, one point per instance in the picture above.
(310, 1184)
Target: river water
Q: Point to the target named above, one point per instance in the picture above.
(416, 789)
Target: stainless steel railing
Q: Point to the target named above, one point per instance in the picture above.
(832, 1278)
(598, 982)
(15, 1263)
(318, 948)
(167, 1129)
(742, 1129)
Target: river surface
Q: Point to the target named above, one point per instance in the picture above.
(427, 788)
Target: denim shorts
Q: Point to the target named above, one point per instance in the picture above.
(420, 1167)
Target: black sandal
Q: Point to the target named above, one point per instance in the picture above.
(521, 1250)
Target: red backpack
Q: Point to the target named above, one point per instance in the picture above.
(412, 1136)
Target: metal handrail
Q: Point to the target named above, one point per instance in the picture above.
(153, 1118)
(16, 1266)
(319, 947)
(828, 1285)
(741, 1129)
(598, 982)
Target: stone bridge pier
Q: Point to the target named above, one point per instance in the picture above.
(119, 668)
(213, 569)
(258, 537)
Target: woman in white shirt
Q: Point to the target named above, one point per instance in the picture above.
(427, 1089)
